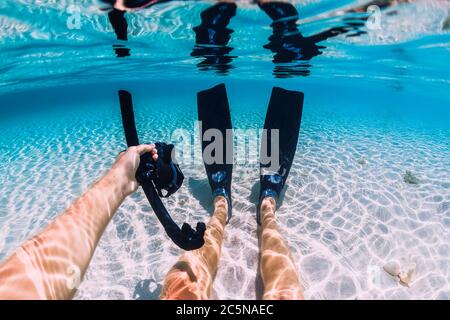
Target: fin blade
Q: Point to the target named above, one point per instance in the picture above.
(214, 113)
(284, 113)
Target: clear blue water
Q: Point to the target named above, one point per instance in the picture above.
(376, 106)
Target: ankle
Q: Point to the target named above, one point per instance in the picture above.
(221, 208)
(268, 203)
(220, 201)
(267, 210)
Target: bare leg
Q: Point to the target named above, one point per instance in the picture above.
(278, 272)
(192, 276)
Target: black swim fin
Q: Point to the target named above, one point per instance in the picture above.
(217, 140)
(279, 141)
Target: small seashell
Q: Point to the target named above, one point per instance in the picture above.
(393, 268)
(407, 275)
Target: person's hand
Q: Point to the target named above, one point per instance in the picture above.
(127, 164)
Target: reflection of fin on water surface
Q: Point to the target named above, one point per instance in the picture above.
(212, 37)
(289, 45)
(120, 26)
(119, 23)
(121, 51)
(291, 49)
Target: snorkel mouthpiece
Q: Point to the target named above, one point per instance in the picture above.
(164, 173)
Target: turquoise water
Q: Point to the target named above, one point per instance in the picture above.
(376, 106)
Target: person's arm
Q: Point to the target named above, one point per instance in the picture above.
(49, 265)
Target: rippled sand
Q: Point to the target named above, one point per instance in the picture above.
(347, 210)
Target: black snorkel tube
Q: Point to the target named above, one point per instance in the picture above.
(157, 175)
